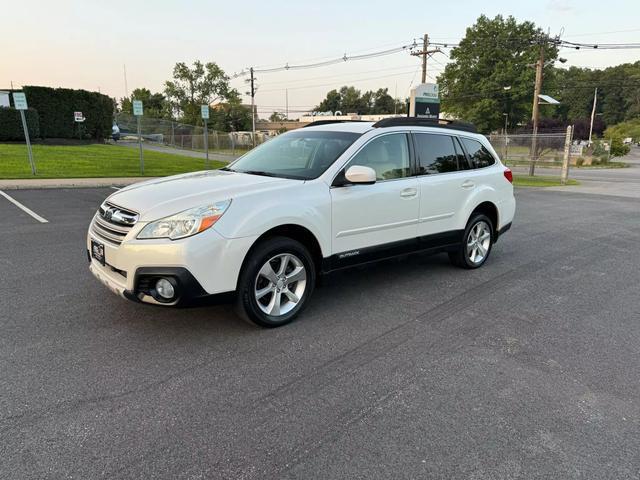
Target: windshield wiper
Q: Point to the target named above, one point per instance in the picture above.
(226, 169)
(258, 172)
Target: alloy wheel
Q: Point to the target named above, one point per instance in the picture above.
(280, 284)
(478, 242)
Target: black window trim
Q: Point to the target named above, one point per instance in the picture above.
(416, 171)
(412, 162)
(458, 141)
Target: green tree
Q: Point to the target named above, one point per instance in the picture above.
(630, 128)
(618, 92)
(277, 117)
(618, 148)
(494, 54)
(383, 102)
(155, 104)
(230, 116)
(620, 87)
(190, 88)
(331, 103)
(350, 100)
(572, 87)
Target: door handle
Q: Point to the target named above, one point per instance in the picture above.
(468, 184)
(409, 192)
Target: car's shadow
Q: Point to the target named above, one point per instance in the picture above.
(336, 292)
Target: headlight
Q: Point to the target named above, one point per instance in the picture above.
(185, 224)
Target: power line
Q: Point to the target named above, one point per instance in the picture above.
(335, 76)
(603, 33)
(344, 58)
(599, 46)
(327, 57)
(334, 83)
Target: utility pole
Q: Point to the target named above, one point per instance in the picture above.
(286, 99)
(253, 108)
(593, 113)
(126, 87)
(424, 53)
(536, 109)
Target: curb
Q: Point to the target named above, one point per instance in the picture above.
(45, 183)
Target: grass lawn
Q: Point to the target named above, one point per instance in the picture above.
(539, 181)
(525, 163)
(84, 161)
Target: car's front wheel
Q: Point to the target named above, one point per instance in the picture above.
(276, 282)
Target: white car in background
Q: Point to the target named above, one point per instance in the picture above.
(311, 201)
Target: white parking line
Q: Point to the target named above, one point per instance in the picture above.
(23, 208)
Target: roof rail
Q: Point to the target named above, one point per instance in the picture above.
(425, 122)
(329, 122)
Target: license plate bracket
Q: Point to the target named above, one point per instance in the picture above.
(97, 251)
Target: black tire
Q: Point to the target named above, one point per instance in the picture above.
(460, 256)
(248, 307)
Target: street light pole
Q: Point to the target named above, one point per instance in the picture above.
(506, 138)
(253, 108)
(593, 113)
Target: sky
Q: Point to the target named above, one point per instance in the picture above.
(86, 44)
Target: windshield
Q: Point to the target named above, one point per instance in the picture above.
(301, 154)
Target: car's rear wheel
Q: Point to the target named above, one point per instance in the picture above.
(276, 282)
(476, 243)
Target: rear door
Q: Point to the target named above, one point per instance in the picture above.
(380, 214)
(442, 170)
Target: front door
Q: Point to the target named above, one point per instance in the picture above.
(376, 218)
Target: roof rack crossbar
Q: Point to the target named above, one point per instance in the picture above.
(329, 122)
(425, 122)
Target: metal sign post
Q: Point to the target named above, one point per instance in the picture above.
(78, 117)
(564, 177)
(138, 111)
(20, 103)
(204, 111)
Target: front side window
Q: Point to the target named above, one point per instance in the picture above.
(438, 154)
(478, 153)
(301, 154)
(388, 155)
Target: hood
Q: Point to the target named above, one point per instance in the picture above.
(154, 199)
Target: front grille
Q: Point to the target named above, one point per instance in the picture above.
(111, 223)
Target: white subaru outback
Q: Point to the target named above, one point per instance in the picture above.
(308, 202)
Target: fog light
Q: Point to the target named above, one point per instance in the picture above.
(165, 289)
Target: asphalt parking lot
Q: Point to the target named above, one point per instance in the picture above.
(525, 368)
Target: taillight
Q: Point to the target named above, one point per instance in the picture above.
(508, 174)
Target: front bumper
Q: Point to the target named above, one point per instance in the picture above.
(205, 266)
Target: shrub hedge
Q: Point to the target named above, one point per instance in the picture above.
(55, 107)
(11, 124)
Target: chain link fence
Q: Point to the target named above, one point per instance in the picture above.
(189, 137)
(547, 149)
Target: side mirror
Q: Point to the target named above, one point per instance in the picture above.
(359, 174)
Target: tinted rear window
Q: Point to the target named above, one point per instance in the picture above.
(478, 154)
(438, 154)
